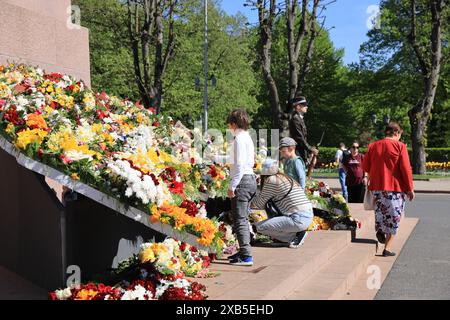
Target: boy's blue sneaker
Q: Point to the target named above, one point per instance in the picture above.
(242, 260)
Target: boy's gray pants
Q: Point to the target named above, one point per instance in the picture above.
(240, 204)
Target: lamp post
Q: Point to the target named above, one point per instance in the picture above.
(205, 69)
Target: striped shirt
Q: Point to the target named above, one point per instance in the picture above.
(275, 188)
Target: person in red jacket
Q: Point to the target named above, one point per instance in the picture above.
(387, 164)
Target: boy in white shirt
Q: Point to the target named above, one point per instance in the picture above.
(243, 183)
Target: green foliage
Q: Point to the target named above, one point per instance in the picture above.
(111, 59)
(326, 155)
(343, 98)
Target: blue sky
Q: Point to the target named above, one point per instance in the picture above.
(348, 17)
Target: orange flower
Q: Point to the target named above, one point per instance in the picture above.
(36, 121)
(205, 227)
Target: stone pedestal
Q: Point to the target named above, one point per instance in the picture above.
(40, 238)
(38, 32)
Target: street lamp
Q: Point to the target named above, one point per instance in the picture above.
(205, 68)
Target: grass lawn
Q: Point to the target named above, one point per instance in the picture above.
(318, 174)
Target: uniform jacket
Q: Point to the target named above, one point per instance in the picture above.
(298, 132)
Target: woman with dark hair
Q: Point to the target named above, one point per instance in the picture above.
(355, 179)
(390, 180)
(288, 197)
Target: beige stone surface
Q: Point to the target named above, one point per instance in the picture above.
(53, 8)
(38, 34)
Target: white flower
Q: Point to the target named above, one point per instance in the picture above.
(75, 155)
(63, 294)
(139, 293)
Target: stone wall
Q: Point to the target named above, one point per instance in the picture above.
(36, 32)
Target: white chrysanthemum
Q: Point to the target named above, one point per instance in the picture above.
(63, 294)
(76, 155)
(139, 293)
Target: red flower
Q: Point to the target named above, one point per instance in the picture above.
(12, 116)
(174, 294)
(191, 207)
(206, 261)
(55, 77)
(52, 296)
(101, 114)
(55, 105)
(64, 159)
(183, 246)
(212, 171)
(176, 187)
(151, 109)
(155, 124)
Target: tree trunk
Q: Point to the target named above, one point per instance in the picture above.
(430, 68)
(418, 129)
(145, 36)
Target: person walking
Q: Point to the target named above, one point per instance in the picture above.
(296, 212)
(355, 179)
(297, 129)
(390, 180)
(338, 158)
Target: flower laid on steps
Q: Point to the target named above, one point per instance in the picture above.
(157, 273)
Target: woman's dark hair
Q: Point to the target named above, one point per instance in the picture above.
(240, 118)
(392, 128)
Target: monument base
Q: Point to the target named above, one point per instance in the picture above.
(40, 237)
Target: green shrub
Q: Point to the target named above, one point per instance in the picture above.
(326, 154)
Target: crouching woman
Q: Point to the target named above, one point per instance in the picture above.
(288, 197)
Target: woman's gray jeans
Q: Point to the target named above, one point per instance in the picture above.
(284, 228)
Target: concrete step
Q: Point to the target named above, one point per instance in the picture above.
(348, 271)
(278, 271)
(360, 290)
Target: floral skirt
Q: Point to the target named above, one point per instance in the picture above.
(389, 207)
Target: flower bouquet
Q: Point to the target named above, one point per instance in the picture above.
(157, 273)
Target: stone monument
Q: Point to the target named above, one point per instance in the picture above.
(41, 33)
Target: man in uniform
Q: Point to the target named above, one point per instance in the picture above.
(297, 129)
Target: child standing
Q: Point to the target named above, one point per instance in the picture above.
(294, 165)
(243, 183)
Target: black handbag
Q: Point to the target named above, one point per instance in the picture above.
(271, 207)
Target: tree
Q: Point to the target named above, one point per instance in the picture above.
(230, 61)
(110, 56)
(429, 57)
(146, 31)
(298, 26)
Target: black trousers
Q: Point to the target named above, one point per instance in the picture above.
(356, 193)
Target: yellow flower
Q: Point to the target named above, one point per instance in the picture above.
(5, 91)
(75, 176)
(147, 255)
(97, 128)
(10, 128)
(86, 294)
(24, 138)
